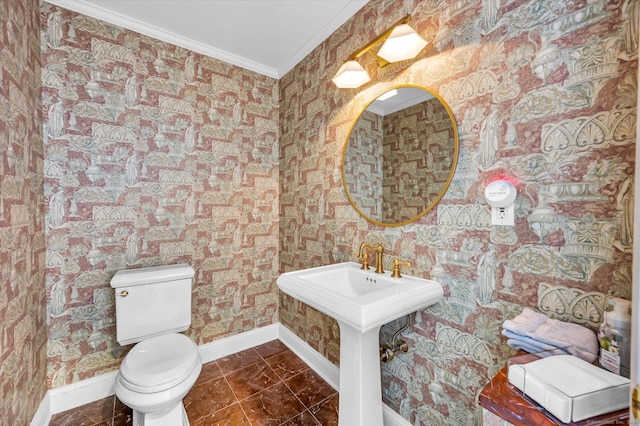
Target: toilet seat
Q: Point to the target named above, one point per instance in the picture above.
(159, 363)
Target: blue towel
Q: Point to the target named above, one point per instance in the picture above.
(535, 332)
(527, 344)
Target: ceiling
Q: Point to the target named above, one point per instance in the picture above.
(266, 36)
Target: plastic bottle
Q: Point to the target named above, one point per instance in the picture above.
(615, 337)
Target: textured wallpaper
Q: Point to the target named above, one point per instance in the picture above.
(543, 92)
(22, 246)
(418, 156)
(363, 165)
(154, 155)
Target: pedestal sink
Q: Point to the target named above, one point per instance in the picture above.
(361, 301)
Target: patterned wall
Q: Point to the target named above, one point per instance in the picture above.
(363, 165)
(418, 157)
(22, 295)
(543, 92)
(153, 155)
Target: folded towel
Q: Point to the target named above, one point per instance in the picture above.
(527, 344)
(534, 329)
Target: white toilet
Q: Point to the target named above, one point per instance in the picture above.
(152, 306)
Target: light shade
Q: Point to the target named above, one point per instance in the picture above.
(350, 76)
(403, 43)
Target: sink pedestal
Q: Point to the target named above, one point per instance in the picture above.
(360, 395)
(361, 302)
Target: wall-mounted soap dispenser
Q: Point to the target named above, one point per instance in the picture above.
(500, 195)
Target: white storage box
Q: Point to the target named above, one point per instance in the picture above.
(570, 388)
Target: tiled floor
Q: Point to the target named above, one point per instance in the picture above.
(263, 386)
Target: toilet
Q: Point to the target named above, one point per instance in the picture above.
(153, 305)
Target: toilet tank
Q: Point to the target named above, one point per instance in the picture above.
(152, 301)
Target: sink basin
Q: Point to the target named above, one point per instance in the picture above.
(361, 302)
(362, 299)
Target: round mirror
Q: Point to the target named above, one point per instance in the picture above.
(401, 155)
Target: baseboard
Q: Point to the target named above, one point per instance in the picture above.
(237, 343)
(318, 363)
(391, 418)
(89, 390)
(74, 395)
(44, 413)
(83, 392)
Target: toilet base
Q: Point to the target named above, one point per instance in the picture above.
(174, 416)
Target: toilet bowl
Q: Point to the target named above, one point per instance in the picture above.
(152, 306)
(155, 376)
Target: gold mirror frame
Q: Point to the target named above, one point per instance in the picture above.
(430, 204)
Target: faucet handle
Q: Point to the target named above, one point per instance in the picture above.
(395, 272)
(364, 260)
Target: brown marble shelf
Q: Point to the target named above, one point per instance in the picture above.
(508, 403)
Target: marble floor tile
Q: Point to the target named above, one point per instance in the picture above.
(303, 419)
(286, 364)
(262, 386)
(232, 415)
(309, 387)
(327, 411)
(208, 397)
(252, 379)
(272, 406)
(271, 348)
(89, 414)
(239, 360)
(210, 371)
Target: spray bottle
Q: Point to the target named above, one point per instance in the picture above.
(615, 337)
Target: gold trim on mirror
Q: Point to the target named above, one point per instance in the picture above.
(404, 194)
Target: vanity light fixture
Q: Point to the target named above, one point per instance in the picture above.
(351, 75)
(401, 42)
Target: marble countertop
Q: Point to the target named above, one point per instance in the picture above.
(507, 402)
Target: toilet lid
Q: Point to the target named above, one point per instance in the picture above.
(161, 361)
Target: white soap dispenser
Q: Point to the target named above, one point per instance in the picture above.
(615, 337)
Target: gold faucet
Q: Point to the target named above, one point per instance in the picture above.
(395, 272)
(365, 257)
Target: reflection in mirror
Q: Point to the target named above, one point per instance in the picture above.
(401, 156)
